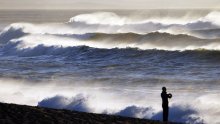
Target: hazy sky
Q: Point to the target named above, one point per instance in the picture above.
(107, 4)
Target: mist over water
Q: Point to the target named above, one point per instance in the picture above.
(115, 62)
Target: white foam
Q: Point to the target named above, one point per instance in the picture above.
(108, 22)
(102, 97)
(213, 17)
(29, 35)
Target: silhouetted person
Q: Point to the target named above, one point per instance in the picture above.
(165, 103)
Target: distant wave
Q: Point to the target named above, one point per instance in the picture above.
(106, 30)
(110, 18)
(209, 33)
(156, 40)
(108, 22)
(209, 21)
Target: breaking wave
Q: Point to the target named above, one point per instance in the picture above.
(107, 30)
(110, 18)
(178, 113)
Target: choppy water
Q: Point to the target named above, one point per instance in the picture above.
(117, 61)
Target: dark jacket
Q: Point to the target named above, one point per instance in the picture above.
(165, 97)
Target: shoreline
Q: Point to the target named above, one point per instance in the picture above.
(23, 114)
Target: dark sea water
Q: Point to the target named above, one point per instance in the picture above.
(113, 61)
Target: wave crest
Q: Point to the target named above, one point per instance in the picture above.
(108, 30)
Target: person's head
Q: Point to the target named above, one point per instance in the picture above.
(164, 89)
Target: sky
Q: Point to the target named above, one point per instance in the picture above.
(108, 4)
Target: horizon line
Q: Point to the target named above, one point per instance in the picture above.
(109, 9)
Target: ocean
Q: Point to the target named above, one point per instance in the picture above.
(113, 61)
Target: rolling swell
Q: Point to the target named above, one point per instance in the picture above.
(115, 32)
(54, 44)
(99, 54)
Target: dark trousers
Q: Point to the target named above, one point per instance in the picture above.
(165, 112)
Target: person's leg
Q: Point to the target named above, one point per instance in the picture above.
(165, 114)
